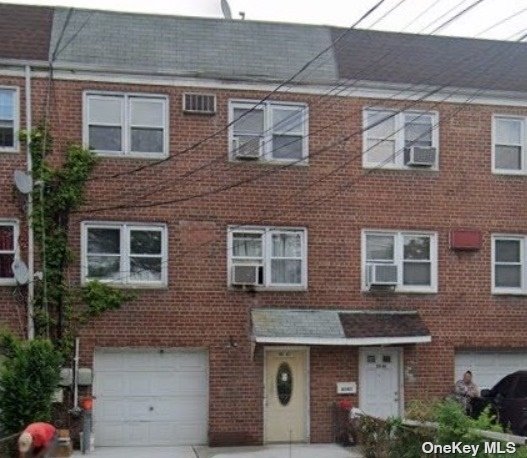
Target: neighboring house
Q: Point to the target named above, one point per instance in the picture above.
(364, 264)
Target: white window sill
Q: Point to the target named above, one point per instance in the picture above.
(7, 282)
(14, 150)
(118, 285)
(509, 292)
(510, 172)
(294, 162)
(291, 288)
(399, 290)
(152, 156)
(375, 165)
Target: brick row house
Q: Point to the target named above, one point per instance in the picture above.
(360, 234)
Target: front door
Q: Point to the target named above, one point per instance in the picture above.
(379, 387)
(285, 395)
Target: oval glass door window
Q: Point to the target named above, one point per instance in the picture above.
(284, 383)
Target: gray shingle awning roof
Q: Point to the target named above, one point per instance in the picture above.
(337, 327)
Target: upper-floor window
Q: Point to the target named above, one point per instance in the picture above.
(406, 261)
(126, 124)
(267, 257)
(271, 131)
(510, 145)
(125, 253)
(8, 250)
(400, 140)
(8, 119)
(509, 274)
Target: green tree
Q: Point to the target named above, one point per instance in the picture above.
(29, 376)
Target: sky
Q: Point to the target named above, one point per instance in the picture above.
(410, 16)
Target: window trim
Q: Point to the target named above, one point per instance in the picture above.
(266, 157)
(16, 239)
(267, 231)
(124, 229)
(399, 259)
(126, 131)
(523, 119)
(506, 290)
(399, 139)
(16, 120)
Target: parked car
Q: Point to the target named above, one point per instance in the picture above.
(508, 401)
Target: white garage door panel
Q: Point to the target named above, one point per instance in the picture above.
(489, 367)
(151, 398)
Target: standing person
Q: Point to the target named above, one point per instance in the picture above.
(38, 440)
(465, 390)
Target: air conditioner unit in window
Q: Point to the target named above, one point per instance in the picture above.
(381, 275)
(247, 275)
(420, 156)
(247, 148)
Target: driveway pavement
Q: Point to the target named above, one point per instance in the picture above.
(271, 451)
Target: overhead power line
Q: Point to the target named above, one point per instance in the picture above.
(203, 166)
(264, 99)
(503, 21)
(348, 184)
(442, 16)
(458, 15)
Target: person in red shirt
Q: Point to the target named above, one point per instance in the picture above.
(38, 440)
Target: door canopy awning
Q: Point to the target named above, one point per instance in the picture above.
(338, 327)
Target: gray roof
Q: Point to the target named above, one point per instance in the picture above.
(259, 51)
(296, 323)
(230, 49)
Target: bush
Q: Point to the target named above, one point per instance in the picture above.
(28, 379)
(392, 439)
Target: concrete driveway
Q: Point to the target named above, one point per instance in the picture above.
(271, 451)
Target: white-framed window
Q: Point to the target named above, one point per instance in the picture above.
(414, 254)
(279, 255)
(389, 135)
(269, 132)
(9, 119)
(509, 273)
(509, 149)
(9, 232)
(134, 125)
(124, 253)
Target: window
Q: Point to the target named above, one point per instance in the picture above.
(279, 255)
(125, 253)
(8, 251)
(509, 145)
(271, 131)
(388, 134)
(508, 260)
(8, 119)
(131, 125)
(413, 253)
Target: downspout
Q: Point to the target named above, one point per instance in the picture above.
(29, 213)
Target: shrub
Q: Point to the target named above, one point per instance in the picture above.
(392, 439)
(28, 379)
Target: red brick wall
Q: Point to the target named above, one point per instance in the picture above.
(198, 310)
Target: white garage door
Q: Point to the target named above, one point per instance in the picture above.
(489, 367)
(146, 398)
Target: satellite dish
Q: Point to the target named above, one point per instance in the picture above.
(20, 271)
(227, 14)
(23, 182)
